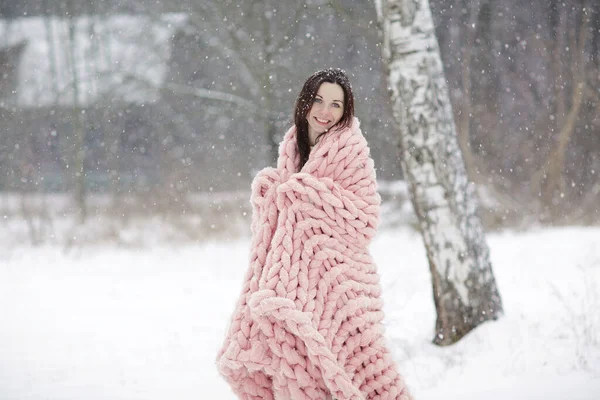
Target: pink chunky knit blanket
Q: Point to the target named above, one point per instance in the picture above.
(308, 322)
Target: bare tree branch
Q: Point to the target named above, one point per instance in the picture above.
(210, 95)
(555, 162)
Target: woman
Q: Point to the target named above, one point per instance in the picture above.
(308, 322)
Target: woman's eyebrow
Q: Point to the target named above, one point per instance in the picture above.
(339, 101)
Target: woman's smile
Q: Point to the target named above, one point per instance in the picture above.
(322, 121)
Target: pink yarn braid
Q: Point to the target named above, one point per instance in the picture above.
(308, 322)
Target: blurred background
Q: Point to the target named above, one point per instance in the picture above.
(130, 131)
(121, 114)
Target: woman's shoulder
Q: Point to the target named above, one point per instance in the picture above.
(353, 128)
(352, 132)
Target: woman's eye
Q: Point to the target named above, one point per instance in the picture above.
(336, 105)
(317, 100)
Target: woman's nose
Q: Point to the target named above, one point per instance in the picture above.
(324, 110)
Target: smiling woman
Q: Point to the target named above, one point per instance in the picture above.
(326, 95)
(308, 324)
(326, 111)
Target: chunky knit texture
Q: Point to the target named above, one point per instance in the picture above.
(308, 322)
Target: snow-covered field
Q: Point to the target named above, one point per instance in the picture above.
(118, 323)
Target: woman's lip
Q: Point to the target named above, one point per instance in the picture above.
(321, 123)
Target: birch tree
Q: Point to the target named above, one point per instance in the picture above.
(464, 288)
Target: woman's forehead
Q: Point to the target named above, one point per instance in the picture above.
(331, 90)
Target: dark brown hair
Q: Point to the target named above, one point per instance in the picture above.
(305, 101)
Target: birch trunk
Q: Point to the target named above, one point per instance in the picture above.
(464, 288)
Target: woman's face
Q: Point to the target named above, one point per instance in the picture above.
(326, 111)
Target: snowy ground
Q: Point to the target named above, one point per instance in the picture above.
(116, 323)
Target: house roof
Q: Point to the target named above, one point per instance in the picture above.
(116, 58)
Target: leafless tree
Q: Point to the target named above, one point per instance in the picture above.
(464, 288)
(550, 180)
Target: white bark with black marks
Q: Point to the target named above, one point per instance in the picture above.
(464, 287)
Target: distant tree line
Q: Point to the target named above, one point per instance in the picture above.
(524, 84)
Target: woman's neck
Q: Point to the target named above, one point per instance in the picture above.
(312, 137)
